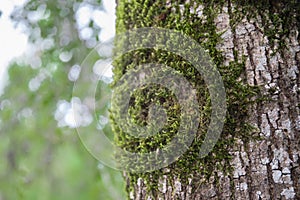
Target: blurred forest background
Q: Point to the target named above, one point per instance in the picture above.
(41, 154)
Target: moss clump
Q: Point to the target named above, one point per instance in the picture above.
(146, 13)
(278, 16)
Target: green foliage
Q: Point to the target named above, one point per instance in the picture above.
(40, 160)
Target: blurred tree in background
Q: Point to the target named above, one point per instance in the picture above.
(41, 156)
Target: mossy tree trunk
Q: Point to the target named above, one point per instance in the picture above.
(255, 46)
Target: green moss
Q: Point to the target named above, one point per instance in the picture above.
(278, 16)
(146, 13)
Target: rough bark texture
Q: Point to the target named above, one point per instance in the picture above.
(266, 168)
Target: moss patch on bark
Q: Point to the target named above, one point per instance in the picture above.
(183, 16)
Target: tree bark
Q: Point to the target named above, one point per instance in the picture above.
(264, 37)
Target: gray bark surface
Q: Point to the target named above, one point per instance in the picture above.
(262, 169)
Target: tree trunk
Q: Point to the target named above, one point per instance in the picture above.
(258, 154)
